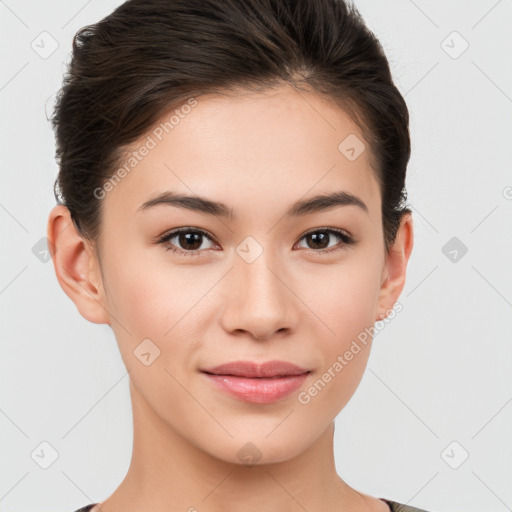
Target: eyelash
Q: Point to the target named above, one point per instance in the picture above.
(346, 240)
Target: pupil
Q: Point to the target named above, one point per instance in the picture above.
(190, 238)
(322, 237)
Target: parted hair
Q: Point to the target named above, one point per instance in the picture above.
(149, 56)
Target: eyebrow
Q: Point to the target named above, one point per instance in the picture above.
(302, 207)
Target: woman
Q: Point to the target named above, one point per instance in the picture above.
(231, 202)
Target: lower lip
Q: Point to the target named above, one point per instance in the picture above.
(259, 391)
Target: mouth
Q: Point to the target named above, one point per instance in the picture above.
(257, 383)
(253, 377)
(254, 370)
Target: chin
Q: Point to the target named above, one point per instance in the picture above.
(258, 451)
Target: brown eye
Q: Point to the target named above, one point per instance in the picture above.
(191, 241)
(326, 240)
(185, 240)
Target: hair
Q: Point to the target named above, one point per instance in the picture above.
(149, 56)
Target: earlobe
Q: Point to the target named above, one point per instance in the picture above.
(395, 267)
(76, 266)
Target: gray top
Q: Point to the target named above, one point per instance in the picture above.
(393, 505)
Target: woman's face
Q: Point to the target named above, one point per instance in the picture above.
(268, 283)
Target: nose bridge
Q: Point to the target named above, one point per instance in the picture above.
(258, 282)
(259, 302)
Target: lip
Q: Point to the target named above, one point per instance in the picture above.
(250, 369)
(257, 383)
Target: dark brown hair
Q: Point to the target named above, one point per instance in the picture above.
(149, 56)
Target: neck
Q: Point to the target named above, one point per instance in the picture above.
(167, 473)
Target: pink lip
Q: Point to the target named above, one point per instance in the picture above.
(257, 383)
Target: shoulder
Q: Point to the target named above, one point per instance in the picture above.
(400, 507)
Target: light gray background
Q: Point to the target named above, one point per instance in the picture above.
(440, 373)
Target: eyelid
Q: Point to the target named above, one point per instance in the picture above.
(163, 239)
(338, 231)
(346, 237)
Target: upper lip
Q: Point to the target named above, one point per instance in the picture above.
(251, 369)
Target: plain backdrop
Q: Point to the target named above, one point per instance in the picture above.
(430, 423)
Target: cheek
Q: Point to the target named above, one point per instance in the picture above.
(344, 297)
(141, 302)
(157, 304)
(160, 302)
(148, 298)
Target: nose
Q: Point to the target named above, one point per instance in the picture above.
(259, 300)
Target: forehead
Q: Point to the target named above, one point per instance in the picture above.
(275, 146)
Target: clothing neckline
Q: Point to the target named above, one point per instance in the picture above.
(389, 503)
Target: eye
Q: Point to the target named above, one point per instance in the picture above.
(188, 240)
(320, 240)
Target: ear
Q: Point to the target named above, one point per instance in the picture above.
(393, 274)
(76, 266)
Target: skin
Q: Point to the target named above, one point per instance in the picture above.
(258, 154)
